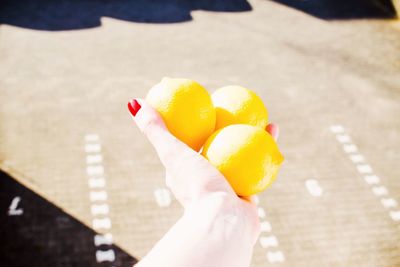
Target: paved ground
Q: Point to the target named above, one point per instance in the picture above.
(71, 155)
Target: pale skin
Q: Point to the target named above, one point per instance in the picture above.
(218, 228)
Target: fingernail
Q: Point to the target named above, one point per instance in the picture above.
(134, 107)
(273, 130)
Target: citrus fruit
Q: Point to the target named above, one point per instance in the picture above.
(186, 108)
(246, 155)
(238, 105)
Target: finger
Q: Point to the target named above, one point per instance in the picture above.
(273, 130)
(190, 175)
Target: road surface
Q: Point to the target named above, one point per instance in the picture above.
(82, 185)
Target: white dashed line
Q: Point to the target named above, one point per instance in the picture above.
(269, 241)
(98, 196)
(261, 212)
(395, 215)
(163, 197)
(101, 209)
(379, 191)
(337, 129)
(97, 182)
(107, 255)
(94, 159)
(343, 138)
(357, 158)
(350, 148)
(92, 148)
(372, 179)
(103, 223)
(389, 202)
(96, 170)
(265, 226)
(314, 188)
(275, 257)
(106, 239)
(366, 170)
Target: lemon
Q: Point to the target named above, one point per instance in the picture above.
(186, 108)
(246, 155)
(238, 105)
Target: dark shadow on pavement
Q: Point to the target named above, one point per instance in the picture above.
(59, 15)
(35, 232)
(344, 9)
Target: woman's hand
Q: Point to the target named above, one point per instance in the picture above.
(217, 228)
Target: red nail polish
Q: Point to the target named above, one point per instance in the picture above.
(270, 129)
(273, 130)
(134, 107)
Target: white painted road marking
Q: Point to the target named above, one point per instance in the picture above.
(372, 179)
(98, 196)
(96, 170)
(337, 129)
(270, 241)
(105, 255)
(94, 159)
(350, 148)
(97, 182)
(343, 138)
(12, 210)
(275, 257)
(163, 197)
(261, 212)
(389, 202)
(314, 188)
(92, 148)
(395, 215)
(104, 223)
(357, 158)
(99, 209)
(106, 239)
(366, 170)
(380, 190)
(265, 226)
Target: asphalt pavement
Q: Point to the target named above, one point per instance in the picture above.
(70, 154)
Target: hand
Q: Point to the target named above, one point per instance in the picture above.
(217, 228)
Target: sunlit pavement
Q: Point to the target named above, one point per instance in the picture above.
(332, 86)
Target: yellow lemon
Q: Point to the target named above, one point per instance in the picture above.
(238, 105)
(246, 155)
(186, 108)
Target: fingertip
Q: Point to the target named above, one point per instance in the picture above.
(273, 130)
(146, 118)
(134, 107)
